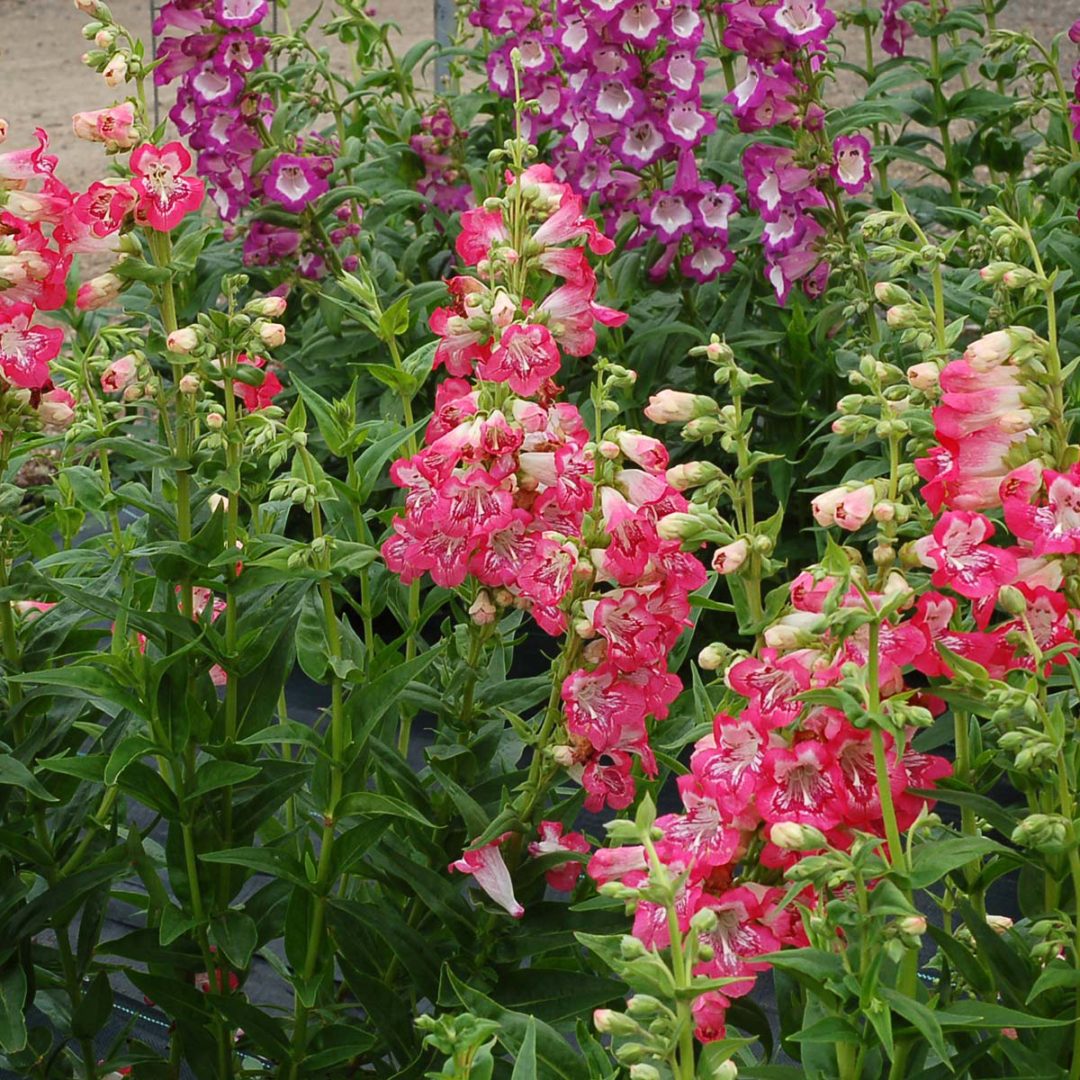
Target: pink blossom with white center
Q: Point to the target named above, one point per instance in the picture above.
(686, 124)
(553, 841)
(639, 24)
(525, 357)
(26, 350)
(962, 561)
(739, 936)
(166, 196)
(294, 182)
(703, 834)
(772, 681)
(799, 786)
(1052, 524)
(634, 637)
(489, 871)
(641, 143)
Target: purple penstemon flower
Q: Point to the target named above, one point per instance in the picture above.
(294, 182)
(240, 14)
(851, 162)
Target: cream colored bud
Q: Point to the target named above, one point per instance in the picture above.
(183, 341)
(116, 70)
(272, 334)
(215, 421)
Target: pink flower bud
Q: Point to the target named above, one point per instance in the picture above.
(728, 559)
(853, 511)
(913, 925)
(119, 374)
(676, 406)
(183, 341)
(272, 334)
(823, 506)
(267, 307)
(215, 421)
(643, 450)
(189, 384)
(99, 291)
(482, 611)
(924, 376)
(990, 351)
(3, 129)
(132, 392)
(115, 127)
(57, 409)
(792, 836)
(691, 474)
(116, 70)
(608, 449)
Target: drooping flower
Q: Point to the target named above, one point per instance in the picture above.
(488, 869)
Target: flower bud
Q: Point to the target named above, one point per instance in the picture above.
(999, 923)
(904, 316)
(272, 334)
(1049, 833)
(483, 611)
(217, 502)
(1011, 600)
(56, 409)
(924, 376)
(116, 70)
(3, 129)
(890, 294)
(679, 526)
(183, 341)
(215, 421)
(692, 474)
(912, 925)
(676, 406)
(119, 374)
(853, 510)
(266, 307)
(644, 1071)
(990, 351)
(133, 392)
(713, 657)
(993, 272)
(189, 383)
(725, 1070)
(610, 1022)
(792, 836)
(608, 450)
(728, 559)
(1019, 277)
(99, 291)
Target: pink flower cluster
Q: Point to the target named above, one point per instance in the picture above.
(620, 81)
(895, 29)
(762, 777)
(981, 422)
(440, 146)
(780, 41)
(43, 225)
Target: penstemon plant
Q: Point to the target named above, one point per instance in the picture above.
(385, 695)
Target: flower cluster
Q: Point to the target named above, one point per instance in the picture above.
(44, 225)
(440, 146)
(783, 44)
(215, 49)
(620, 81)
(982, 422)
(509, 491)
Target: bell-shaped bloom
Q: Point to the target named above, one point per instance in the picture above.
(240, 14)
(294, 182)
(851, 162)
(800, 785)
(525, 357)
(553, 841)
(960, 557)
(26, 350)
(114, 127)
(489, 871)
(1051, 523)
(166, 195)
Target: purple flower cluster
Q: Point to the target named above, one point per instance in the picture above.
(783, 44)
(440, 145)
(215, 50)
(620, 80)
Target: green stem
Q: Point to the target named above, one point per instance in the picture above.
(752, 577)
(338, 736)
(943, 126)
(74, 989)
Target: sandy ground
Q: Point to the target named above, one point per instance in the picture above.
(42, 81)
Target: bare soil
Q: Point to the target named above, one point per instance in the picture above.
(43, 82)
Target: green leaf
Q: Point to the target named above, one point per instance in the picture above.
(88, 1020)
(12, 1002)
(261, 860)
(934, 859)
(371, 803)
(1056, 974)
(525, 1064)
(212, 775)
(986, 1016)
(13, 773)
(129, 749)
(87, 682)
(920, 1017)
(236, 935)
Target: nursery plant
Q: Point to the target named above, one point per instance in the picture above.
(566, 573)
